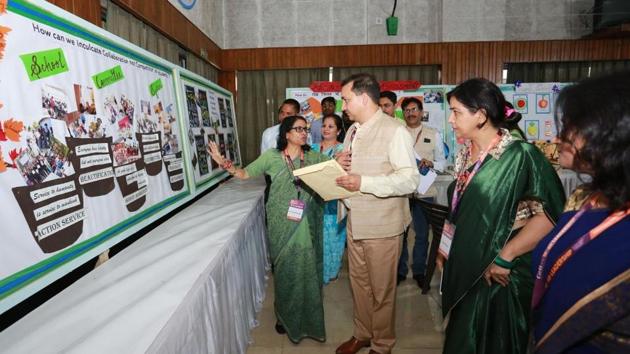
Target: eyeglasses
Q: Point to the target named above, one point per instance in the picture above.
(300, 129)
(412, 110)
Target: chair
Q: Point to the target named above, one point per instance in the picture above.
(436, 214)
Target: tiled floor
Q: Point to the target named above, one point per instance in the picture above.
(418, 321)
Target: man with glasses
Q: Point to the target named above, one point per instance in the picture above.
(379, 158)
(427, 142)
(289, 107)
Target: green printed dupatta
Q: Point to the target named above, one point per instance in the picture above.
(494, 319)
(295, 248)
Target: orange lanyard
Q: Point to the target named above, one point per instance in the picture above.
(541, 285)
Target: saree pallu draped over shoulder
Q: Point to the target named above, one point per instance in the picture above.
(295, 248)
(486, 319)
(586, 306)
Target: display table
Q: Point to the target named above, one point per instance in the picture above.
(569, 179)
(192, 285)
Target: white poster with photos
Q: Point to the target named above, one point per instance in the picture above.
(89, 140)
(209, 116)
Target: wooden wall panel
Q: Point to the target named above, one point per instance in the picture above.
(165, 18)
(89, 10)
(459, 61)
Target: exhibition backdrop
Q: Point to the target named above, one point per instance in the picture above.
(535, 102)
(95, 142)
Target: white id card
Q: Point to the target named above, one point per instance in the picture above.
(447, 238)
(296, 210)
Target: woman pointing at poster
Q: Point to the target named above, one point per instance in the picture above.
(294, 215)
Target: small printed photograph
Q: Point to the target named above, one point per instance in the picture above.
(84, 97)
(77, 125)
(43, 134)
(55, 103)
(46, 150)
(532, 129)
(433, 96)
(213, 138)
(191, 104)
(96, 129)
(425, 116)
(214, 110)
(146, 123)
(311, 109)
(222, 144)
(170, 145)
(202, 100)
(157, 108)
(191, 137)
(230, 145)
(202, 155)
(543, 103)
(34, 168)
(222, 112)
(165, 120)
(230, 119)
(119, 116)
(145, 107)
(519, 101)
(125, 152)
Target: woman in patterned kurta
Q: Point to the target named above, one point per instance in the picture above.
(499, 214)
(334, 232)
(295, 247)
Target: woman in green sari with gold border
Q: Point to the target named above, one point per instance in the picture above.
(295, 247)
(506, 197)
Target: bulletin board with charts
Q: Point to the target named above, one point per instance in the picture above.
(536, 103)
(208, 112)
(90, 144)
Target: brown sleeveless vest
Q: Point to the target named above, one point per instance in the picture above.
(374, 217)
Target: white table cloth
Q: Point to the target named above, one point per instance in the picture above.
(192, 285)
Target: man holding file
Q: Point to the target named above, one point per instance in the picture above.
(379, 158)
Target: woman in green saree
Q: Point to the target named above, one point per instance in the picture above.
(505, 198)
(294, 221)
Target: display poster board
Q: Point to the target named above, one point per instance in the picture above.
(535, 102)
(433, 98)
(208, 112)
(90, 144)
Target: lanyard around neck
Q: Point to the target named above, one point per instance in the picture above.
(540, 284)
(463, 181)
(287, 158)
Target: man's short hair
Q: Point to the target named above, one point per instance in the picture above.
(364, 83)
(408, 100)
(292, 102)
(390, 96)
(329, 99)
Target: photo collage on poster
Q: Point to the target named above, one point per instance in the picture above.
(84, 144)
(210, 118)
(93, 141)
